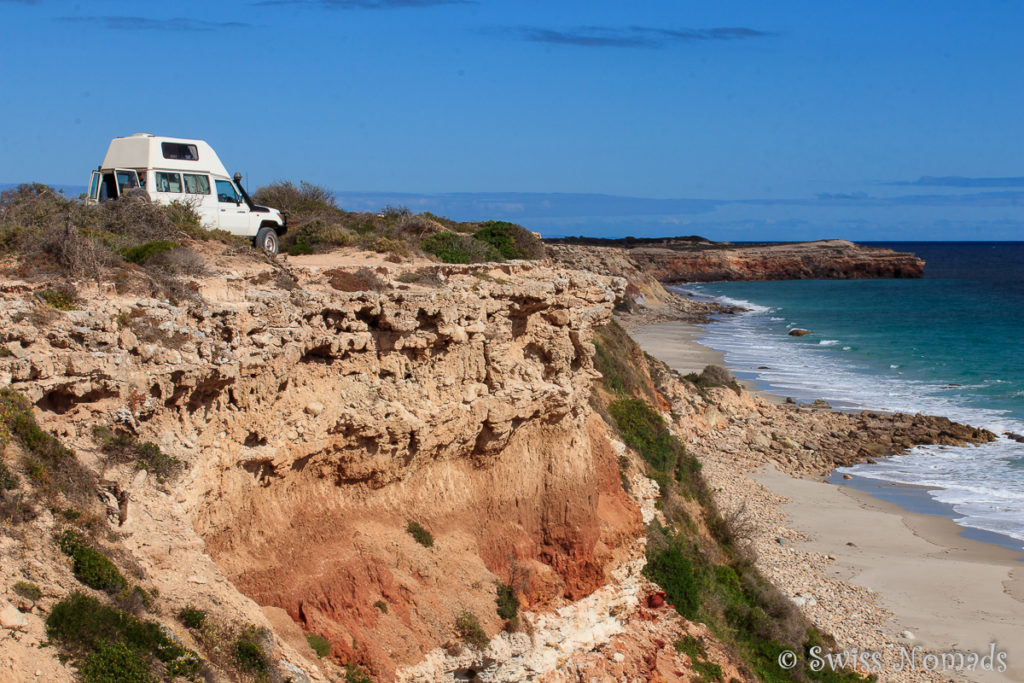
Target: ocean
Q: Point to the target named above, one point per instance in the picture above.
(948, 344)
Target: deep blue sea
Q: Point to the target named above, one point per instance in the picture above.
(949, 344)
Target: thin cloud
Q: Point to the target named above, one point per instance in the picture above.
(959, 181)
(365, 4)
(177, 24)
(632, 36)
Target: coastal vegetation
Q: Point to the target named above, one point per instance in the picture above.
(697, 558)
(316, 223)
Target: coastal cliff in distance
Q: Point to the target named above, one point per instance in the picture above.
(694, 259)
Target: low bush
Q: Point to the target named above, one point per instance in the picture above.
(511, 240)
(248, 655)
(62, 298)
(382, 606)
(142, 253)
(81, 624)
(362, 280)
(714, 376)
(422, 536)
(354, 674)
(121, 446)
(508, 603)
(192, 617)
(116, 663)
(427, 277)
(453, 247)
(469, 630)
(27, 590)
(91, 567)
(8, 479)
(51, 466)
(321, 646)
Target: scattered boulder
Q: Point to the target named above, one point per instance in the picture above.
(799, 332)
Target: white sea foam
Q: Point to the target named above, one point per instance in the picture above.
(828, 342)
(984, 484)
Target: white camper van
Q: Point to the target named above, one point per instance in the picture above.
(164, 170)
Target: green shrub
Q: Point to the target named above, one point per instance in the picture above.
(644, 430)
(678, 577)
(8, 479)
(248, 655)
(81, 623)
(453, 247)
(353, 674)
(618, 360)
(141, 253)
(116, 663)
(28, 590)
(91, 567)
(62, 298)
(124, 447)
(469, 630)
(508, 603)
(422, 536)
(382, 606)
(300, 248)
(512, 241)
(192, 617)
(321, 646)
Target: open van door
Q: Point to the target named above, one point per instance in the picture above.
(94, 187)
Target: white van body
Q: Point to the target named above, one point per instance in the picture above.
(166, 170)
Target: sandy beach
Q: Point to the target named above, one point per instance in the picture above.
(874, 574)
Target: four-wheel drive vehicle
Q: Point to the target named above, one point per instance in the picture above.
(165, 170)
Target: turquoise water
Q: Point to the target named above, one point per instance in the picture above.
(949, 344)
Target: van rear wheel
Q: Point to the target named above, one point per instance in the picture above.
(266, 239)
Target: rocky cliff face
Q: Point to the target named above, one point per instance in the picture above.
(829, 259)
(316, 424)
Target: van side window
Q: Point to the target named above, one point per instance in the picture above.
(196, 184)
(179, 150)
(226, 192)
(168, 182)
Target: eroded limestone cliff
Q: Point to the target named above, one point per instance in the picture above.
(685, 261)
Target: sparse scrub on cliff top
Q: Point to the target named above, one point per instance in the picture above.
(511, 240)
(453, 247)
(422, 536)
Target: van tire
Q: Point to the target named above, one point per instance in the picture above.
(266, 239)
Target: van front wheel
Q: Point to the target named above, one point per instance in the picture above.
(266, 239)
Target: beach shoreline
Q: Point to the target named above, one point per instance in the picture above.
(873, 573)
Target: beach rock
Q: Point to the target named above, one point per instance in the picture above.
(906, 635)
(820, 404)
(799, 332)
(1016, 437)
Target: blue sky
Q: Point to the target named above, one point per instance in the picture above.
(736, 120)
